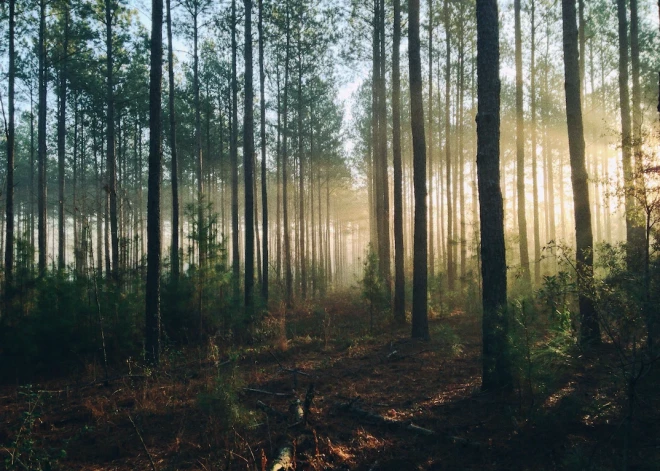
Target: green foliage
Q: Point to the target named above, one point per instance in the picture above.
(373, 287)
(445, 335)
(55, 322)
(221, 403)
(24, 452)
(199, 302)
(543, 342)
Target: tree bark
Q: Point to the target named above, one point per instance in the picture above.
(264, 194)
(399, 274)
(451, 269)
(384, 218)
(234, 160)
(301, 168)
(61, 139)
(174, 254)
(420, 327)
(10, 130)
(41, 137)
(111, 155)
(201, 224)
(590, 331)
(288, 277)
(430, 166)
(535, 189)
(248, 161)
(520, 152)
(633, 255)
(496, 372)
(152, 294)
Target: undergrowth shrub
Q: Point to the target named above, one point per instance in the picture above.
(60, 327)
(220, 402)
(374, 290)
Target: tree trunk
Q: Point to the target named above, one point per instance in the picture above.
(61, 139)
(288, 277)
(535, 189)
(174, 249)
(637, 118)
(234, 160)
(633, 256)
(420, 327)
(248, 161)
(112, 158)
(399, 274)
(264, 194)
(496, 372)
(384, 217)
(590, 332)
(451, 270)
(520, 152)
(9, 241)
(301, 167)
(430, 166)
(152, 294)
(41, 132)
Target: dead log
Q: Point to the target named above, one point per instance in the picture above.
(284, 459)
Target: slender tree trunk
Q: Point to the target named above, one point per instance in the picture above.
(590, 332)
(520, 152)
(278, 216)
(152, 294)
(301, 167)
(461, 149)
(61, 139)
(174, 254)
(384, 217)
(201, 224)
(112, 158)
(32, 162)
(288, 277)
(535, 189)
(399, 274)
(496, 372)
(10, 130)
(451, 270)
(430, 169)
(376, 189)
(633, 257)
(264, 194)
(234, 159)
(637, 117)
(248, 161)
(420, 327)
(41, 132)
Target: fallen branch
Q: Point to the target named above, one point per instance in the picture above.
(151, 460)
(270, 393)
(294, 371)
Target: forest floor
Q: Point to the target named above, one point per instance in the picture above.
(201, 410)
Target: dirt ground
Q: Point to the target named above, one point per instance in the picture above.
(367, 391)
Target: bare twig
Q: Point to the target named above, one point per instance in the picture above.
(151, 460)
(270, 393)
